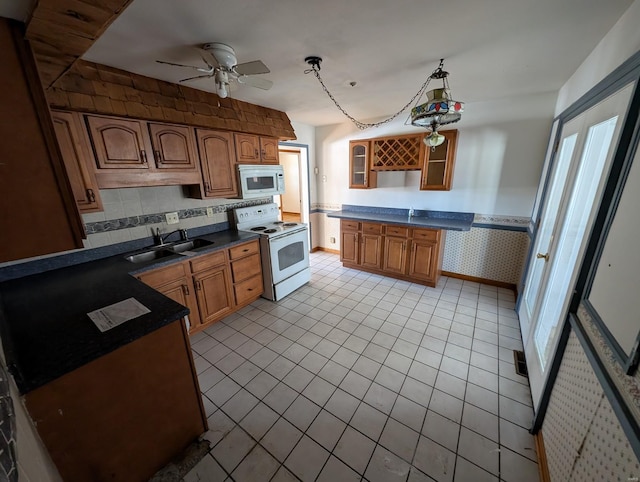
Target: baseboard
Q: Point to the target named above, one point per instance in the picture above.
(500, 284)
(326, 250)
(543, 468)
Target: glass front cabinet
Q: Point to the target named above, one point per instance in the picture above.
(360, 174)
(437, 168)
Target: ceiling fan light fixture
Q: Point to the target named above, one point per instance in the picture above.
(434, 139)
(222, 84)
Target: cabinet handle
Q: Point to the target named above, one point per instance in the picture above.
(257, 154)
(143, 156)
(249, 289)
(543, 256)
(264, 153)
(403, 246)
(198, 286)
(207, 187)
(158, 156)
(185, 289)
(91, 196)
(245, 250)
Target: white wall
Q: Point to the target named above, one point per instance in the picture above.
(497, 168)
(620, 43)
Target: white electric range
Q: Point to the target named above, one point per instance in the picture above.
(284, 247)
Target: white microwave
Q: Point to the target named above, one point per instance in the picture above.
(260, 180)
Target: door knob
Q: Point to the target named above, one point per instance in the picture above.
(543, 256)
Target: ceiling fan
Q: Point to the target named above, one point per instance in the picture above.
(222, 65)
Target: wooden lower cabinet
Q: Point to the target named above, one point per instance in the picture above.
(213, 290)
(412, 254)
(395, 250)
(212, 285)
(125, 415)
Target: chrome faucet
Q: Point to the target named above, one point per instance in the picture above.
(159, 239)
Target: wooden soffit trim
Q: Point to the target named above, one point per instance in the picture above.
(61, 31)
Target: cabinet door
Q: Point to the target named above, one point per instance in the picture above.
(181, 291)
(349, 247)
(213, 290)
(173, 147)
(437, 168)
(174, 281)
(216, 160)
(77, 158)
(269, 150)
(119, 143)
(423, 260)
(247, 148)
(395, 254)
(371, 250)
(360, 175)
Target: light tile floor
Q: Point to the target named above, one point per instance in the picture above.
(362, 377)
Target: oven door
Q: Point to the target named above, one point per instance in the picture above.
(289, 254)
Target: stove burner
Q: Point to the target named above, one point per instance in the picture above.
(277, 222)
(269, 231)
(259, 228)
(289, 225)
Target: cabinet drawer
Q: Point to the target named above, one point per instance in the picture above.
(426, 234)
(248, 289)
(207, 261)
(244, 250)
(371, 228)
(347, 225)
(397, 231)
(246, 268)
(162, 276)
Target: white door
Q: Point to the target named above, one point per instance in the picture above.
(585, 151)
(290, 161)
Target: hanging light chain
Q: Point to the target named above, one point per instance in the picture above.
(315, 69)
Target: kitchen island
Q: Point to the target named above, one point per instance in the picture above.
(400, 243)
(113, 405)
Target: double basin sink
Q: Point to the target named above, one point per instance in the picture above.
(158, 252)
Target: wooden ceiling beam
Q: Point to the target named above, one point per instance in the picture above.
(61, 31)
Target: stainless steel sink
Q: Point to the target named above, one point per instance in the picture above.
(189, 245)
(149, 255)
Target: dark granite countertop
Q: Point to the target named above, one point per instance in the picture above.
(45, 329)
(421, 219)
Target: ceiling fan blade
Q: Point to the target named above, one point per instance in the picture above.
(208, 59)
(258, 82)
(196, 77)
(178, 65)
(251, 68)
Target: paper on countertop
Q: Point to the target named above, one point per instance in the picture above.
(117, 313)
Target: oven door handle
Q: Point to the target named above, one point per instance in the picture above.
(286, 235)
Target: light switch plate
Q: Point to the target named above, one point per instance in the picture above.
(172, 218)
(209, 212)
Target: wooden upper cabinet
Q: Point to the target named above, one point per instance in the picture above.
(397, 153)
(173, 146)
(438, 164)
(247, 149)
(252, 149)
(360, 174)
(119, 143)
(216, 162)
(77, 158)
(269, 150)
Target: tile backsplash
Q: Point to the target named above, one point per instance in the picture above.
(132, 213)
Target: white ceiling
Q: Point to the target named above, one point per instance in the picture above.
(492, 48)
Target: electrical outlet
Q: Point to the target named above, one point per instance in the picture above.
(172, 218)
(332, 240)
(209, 212)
